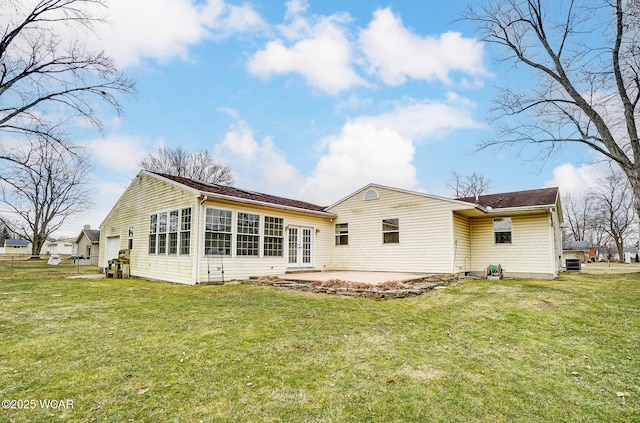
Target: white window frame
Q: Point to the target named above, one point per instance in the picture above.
(247, 234)
(341, 233)
(273, 237)
(390, 227)
(500, 228)
(218, 224)
(157, 234)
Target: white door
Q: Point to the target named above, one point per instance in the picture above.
(112, 249)
(300, 247)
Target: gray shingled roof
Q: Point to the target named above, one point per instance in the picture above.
(92, 234)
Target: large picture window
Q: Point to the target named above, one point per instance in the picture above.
(502, 230)
(342, 234)
(390, 231)
(217, 232)
(273, 236)
(248, 234)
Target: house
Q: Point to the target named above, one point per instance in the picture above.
(88, 244)
(631, 255)
(179, 230)
(576, 250)
(17, 247)
(61, 247)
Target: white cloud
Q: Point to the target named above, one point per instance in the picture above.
(574, 180)
(318, 49)
(256, 165)
(395, 53)
(121, 153)
(427, 119)
(360, 154)
(165, 29)
(367, 149)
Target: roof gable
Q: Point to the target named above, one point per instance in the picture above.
(241, 194)
(530, 198)
(362, 191)
(93, 235)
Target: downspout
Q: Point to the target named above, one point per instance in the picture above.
(200, 246)
(554, 267)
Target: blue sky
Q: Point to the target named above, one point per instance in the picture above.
(312, 99)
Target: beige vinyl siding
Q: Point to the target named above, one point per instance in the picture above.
(83, 247)
(426, 227)
(147, 195)
(241, 267)
(461, 244)
(528, 253)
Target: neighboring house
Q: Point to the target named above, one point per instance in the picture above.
(576, 250)
(88, 244)
(61, 247)
(183, 231)
(631, 255)
(17, 247)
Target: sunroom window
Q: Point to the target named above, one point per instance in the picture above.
(217, 232)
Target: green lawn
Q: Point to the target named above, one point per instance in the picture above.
(507, 351)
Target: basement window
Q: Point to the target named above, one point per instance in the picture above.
(502, 230)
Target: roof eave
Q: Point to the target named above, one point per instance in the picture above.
(266, 204)
(516, 209)
(240, 200)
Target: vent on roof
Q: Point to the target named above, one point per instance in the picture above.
(371, 194)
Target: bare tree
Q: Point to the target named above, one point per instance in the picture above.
(199, 166)
(615, 214)
(468, 185)
(585, 61)
(579, 213)
(43, 185)
(49, 79)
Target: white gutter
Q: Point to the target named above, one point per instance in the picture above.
(503, 210)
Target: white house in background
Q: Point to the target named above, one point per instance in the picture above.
(179, 230)
(576, 250)
(61, 247)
